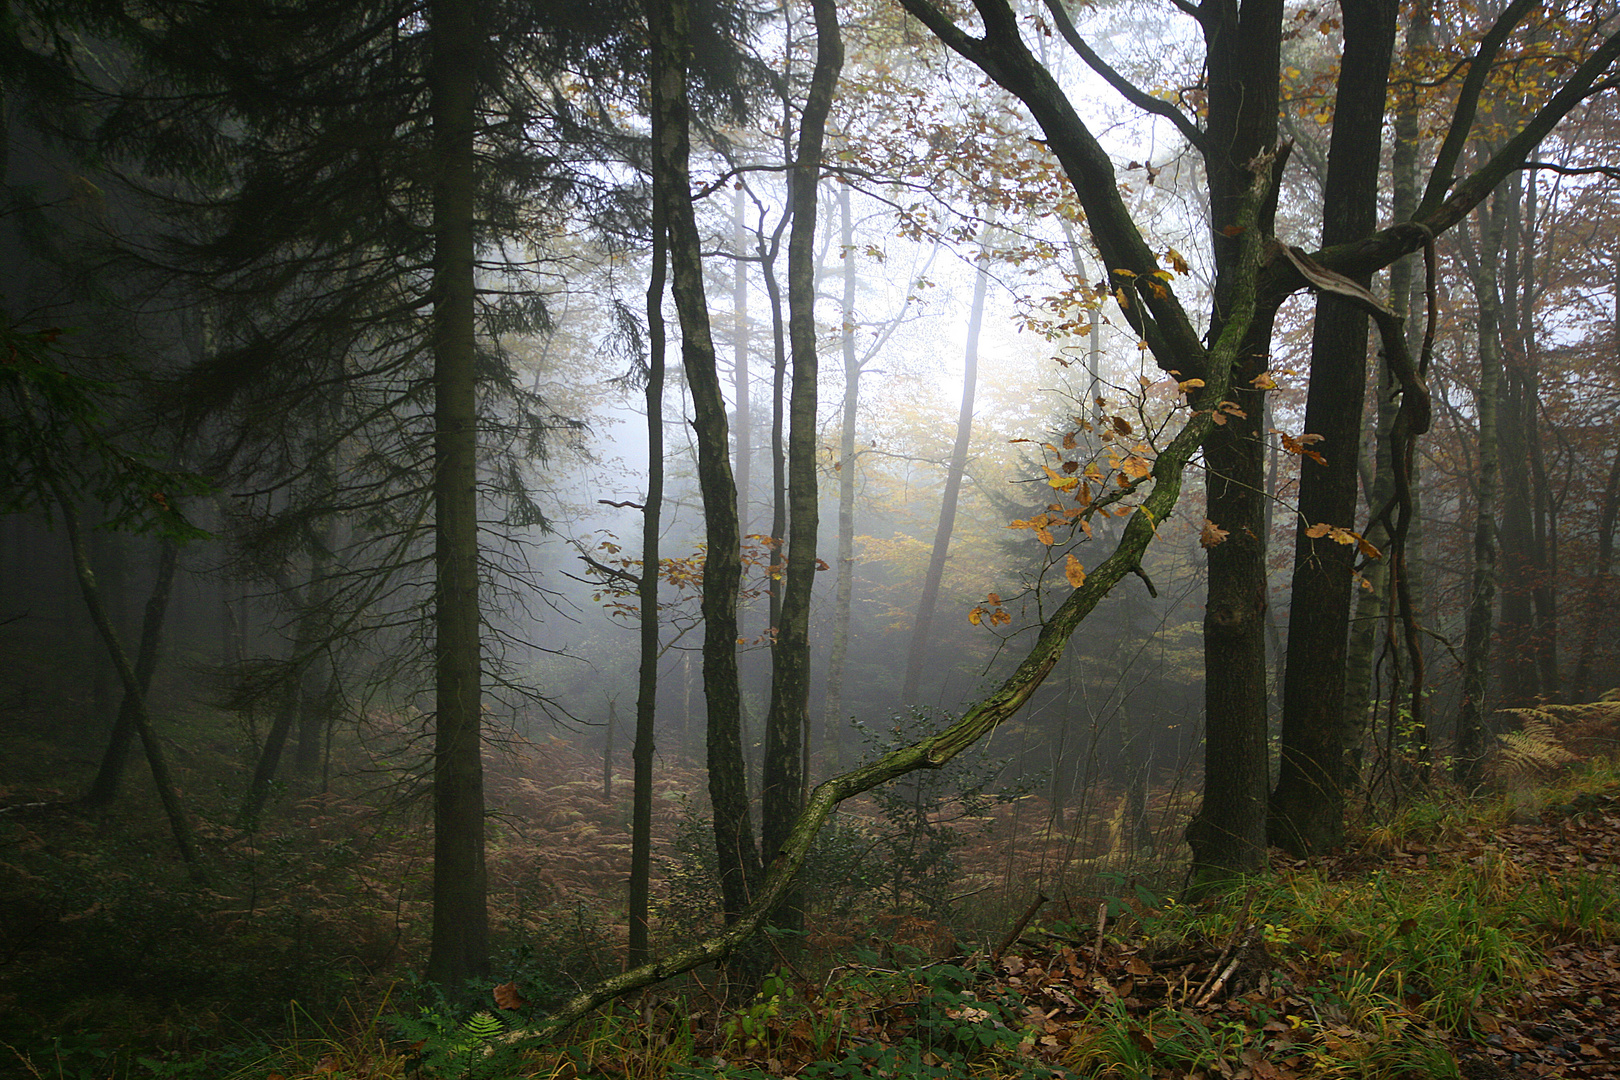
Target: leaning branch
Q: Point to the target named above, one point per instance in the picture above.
(984, 717)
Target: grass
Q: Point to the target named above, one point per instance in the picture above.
(1377, 964)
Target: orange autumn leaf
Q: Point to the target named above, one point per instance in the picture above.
(1211, 534)
(507, 996)
(1073, 571)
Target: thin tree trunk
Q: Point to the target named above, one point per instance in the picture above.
(167, 795)
(669, 22)
(647, 592)
(786, 724)
(1473, 730)
(460, 942)
(922, 631)
(741, 388)
(843, 600)
(104, 790)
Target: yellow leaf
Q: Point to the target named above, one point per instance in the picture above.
(1189, 384)
(1073, 571)
(1177, 263)
(1263, 381)
(1000, 618)
(1136, 467)
(1044, 535)
(976, 616)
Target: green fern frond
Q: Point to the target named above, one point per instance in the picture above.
(483, 1026)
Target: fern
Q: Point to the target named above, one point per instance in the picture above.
(450, 1049)
(1547, 732)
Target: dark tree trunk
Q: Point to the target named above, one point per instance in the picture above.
(1473, 726)
(784, 767)
(1228, 835)
(104, 790)
(647, 593)
(1307, 809)
(99, 616)
(669, 22)
(460, 945)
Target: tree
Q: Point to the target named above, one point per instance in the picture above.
(1307, 808)
(788, 719)
(351, 177)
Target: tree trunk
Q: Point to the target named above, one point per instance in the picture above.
(833, 702)
(104, 790)
(460, 945)
(784, 767)
(133, 693)
(1373, 606)
(1307, 808)
(1516, 570)
(1473, 729)
(669, 22)
(647, 592)
(1228, 835)
(922, 631)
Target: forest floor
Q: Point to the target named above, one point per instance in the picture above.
(1453, 937)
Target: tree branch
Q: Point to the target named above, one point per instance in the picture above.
(984, 717)
(1127, 89)
(1462, 120)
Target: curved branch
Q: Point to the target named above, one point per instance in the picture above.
(1462, 120)
(1382, 248)
(1002, 55)
(1127, 89)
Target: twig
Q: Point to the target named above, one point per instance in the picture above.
(1102, 920)
(1244, 945)
(1018, 927)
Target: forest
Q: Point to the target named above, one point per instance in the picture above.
(911, 538)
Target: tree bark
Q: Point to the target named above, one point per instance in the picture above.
(460, 944)
(651, 521)
(1473, 728)
(669, 22)
(1307, 808)
(784, 767)
(1228, 834)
